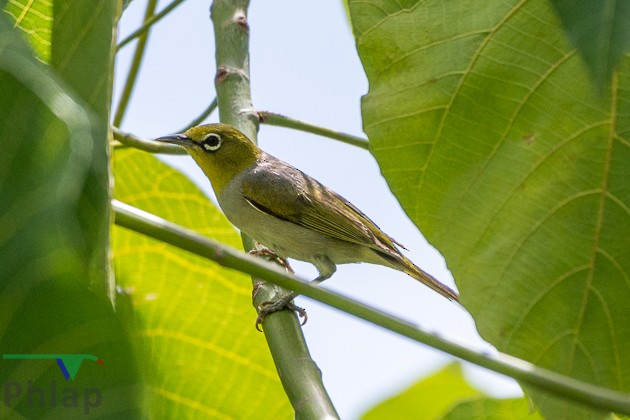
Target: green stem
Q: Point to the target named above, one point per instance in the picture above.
(132, 76)
(271, 118)
(147, 24)
(300, 376)
(519, 369)
(206, 112)
(126, 139)
(231, 34)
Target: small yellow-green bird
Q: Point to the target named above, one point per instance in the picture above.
(289, 212)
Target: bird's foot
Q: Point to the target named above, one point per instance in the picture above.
(262, 251)
(284, 302)
(271, 306)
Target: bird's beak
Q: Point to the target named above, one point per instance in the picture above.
(179, 139)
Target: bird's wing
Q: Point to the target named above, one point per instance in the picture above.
(283, 191)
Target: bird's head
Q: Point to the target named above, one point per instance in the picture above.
(220, 150)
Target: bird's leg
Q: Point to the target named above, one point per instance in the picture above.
(326, 269)
(262, 251)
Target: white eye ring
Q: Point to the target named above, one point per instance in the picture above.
(212, 142)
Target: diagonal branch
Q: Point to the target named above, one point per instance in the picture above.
(148, 23)
(519, 369)
(204, 114)
(136, 62)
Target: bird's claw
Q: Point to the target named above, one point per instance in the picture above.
(270, 306)
(262, 251)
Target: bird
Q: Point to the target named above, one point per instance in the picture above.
(289, 212)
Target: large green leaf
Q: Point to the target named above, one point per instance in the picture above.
(77, 38)
(47, 307)
(430, 398)
(488, 131)
(82, 50)
(600, 30)
(82, 54)
(34, 18)
(447, 395)
(203, 357)
(493, 409)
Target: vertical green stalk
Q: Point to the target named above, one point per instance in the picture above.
(231, 31)
(299, 374)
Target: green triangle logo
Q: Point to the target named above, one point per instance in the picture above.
(68, 363)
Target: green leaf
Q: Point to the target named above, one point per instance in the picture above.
(429, 398)
(494, 409)
(47, 306)
(82, 54)
(488, 132)
(126, 3)
(447, 395)
(34, 18)
(601, 32)
(83, 49)
(202, 355)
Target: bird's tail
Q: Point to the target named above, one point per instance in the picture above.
(428, 280)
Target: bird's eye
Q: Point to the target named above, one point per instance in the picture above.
(212, 142)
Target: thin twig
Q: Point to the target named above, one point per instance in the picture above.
(206, 112)
(156, 18)
(129, 140)
(132, 76)
(271, 118)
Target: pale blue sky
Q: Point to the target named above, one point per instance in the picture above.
(304, 64)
